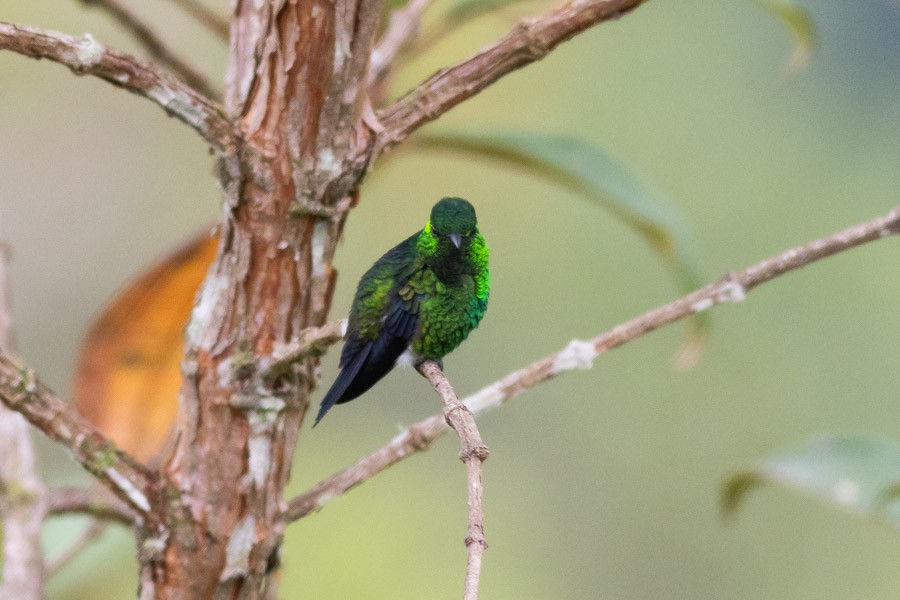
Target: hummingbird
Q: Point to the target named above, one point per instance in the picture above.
(417, 302)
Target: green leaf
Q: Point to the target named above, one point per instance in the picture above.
(800, 24)
(591, 171)
(852, 473)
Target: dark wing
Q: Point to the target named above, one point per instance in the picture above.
(364, 361)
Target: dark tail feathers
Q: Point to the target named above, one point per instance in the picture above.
(343, 381)
(371, 363)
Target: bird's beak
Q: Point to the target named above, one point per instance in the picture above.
(456, 239)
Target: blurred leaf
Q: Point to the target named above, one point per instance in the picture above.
(589, 170)
(127, 378)
(466, 10)
(800, 24)
(848, 472)
(460, 13)
(390, 5)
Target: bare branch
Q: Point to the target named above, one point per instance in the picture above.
(209, 19)
(473, 453)
(580, 354)
(154, 44)
(402, 27)
(85, 56)
(23, 495)
(22, 504)
(21, 391)
(85, 501)
(529, 42)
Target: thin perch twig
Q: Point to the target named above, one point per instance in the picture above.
(580, 354)
(85, 56)
(473, 453)
(155, 45)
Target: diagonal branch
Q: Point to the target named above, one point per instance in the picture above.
(580, 354)
(154, 44)
(529, 42)
(21, 391)
(85, 56)
(473, 453)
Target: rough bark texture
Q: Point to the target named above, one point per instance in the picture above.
(296, 84)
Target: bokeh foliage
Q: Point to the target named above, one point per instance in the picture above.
(604, 483)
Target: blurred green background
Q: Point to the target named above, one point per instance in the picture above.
(601, 484)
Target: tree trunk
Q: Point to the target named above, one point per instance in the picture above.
(296, 86)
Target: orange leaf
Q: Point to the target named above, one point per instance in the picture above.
(127, 379)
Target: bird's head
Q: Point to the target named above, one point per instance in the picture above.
(450, 237)
(452, 225)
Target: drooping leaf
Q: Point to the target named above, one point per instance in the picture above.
(848, 472)
(800, 24)
(591, 171)
(127, 377)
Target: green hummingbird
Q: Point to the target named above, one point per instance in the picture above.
(417, 302)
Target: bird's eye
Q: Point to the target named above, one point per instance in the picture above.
(435, 234)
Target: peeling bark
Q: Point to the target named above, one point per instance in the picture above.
(297, 86)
